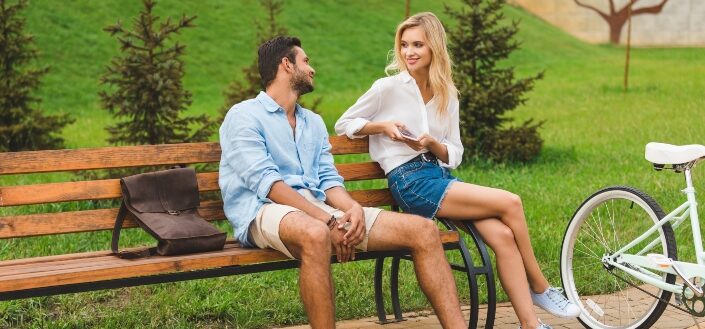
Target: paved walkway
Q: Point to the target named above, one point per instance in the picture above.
(505, 319)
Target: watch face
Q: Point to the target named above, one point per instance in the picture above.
(346, 226)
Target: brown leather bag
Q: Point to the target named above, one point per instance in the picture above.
(164, 204)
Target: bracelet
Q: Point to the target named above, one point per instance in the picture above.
(332, 222)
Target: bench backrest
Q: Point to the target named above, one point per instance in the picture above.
(37, 224)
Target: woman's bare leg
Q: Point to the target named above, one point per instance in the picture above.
(511, 270)
(465, 201)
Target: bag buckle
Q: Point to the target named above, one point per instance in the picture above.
(173, 212)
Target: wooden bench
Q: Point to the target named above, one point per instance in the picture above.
(96, 270)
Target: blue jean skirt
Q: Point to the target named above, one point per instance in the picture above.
(419, 187)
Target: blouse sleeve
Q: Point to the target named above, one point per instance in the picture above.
(452, 139)
(362, 112)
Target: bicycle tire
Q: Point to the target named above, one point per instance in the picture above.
(585, 278)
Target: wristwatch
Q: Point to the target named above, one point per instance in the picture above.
(333, 222)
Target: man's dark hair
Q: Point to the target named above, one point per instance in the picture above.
(270, 54)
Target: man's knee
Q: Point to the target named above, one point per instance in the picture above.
(423, 232)
(315, 239)
(305, 235)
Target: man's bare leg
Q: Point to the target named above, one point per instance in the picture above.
(394, 231)
(308, 239)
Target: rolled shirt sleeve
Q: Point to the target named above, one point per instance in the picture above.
(358, 115)
(452, 139)
(245, 146)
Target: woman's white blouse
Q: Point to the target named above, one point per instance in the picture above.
(397, 98)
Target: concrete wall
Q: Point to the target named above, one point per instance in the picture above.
(680, 23)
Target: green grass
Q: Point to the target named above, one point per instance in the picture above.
(594, 137)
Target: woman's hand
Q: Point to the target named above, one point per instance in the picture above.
(391, 130)
(424, 141)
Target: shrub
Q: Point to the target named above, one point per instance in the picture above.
(147, 84)
(22, 126)
(487, 91)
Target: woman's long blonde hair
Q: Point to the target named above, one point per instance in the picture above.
(440, 72)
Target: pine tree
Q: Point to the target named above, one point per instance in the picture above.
(22, 126)
(478, 43)
(240, 90)
(145, 84)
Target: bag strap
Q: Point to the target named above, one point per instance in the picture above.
(122, 213)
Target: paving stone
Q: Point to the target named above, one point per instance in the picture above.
(506, 319)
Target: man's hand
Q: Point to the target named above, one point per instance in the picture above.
(343, 253)
(356, 230)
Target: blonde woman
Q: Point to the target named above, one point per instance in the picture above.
(412, 120)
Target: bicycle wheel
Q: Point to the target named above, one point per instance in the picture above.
(603, 224)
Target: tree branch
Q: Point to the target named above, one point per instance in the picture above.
(650, 10)
(604, 16)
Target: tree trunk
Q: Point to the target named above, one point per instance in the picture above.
(616, 23)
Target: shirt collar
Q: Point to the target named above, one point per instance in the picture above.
(405, 76)
(269, 104)
(272, 106)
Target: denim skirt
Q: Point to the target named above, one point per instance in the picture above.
(418, 187)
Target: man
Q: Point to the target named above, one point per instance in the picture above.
(282, 191)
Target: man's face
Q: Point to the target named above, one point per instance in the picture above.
(302, 81)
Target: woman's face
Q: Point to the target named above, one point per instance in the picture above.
(415, 50)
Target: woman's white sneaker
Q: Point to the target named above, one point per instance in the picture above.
(553, 301)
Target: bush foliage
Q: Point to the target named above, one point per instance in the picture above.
(147, 90)
(478, 43)
(250, 84)
(22, 126)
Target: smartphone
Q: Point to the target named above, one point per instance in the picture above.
(408, 135)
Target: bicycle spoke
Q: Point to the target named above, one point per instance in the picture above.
(588, 264)
(600, 234)
(593, 233)
(606, 223)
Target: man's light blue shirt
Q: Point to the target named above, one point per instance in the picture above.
(259, 148)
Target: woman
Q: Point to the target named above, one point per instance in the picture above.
(412, 120)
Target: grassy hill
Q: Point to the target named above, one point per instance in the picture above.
(594, 136)
(347, 41)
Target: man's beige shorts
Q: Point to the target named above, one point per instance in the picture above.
(264, 230)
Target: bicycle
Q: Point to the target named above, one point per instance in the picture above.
(619, 259)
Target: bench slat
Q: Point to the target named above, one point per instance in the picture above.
(107, 157)
(81, 221)
(80, 191)
(110, 188)
(360, 171)
(104, 219)
(345, 145)
(74, 261)
(134, 156)
(373, 197)
(84, 269)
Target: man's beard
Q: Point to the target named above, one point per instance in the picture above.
(301, 83)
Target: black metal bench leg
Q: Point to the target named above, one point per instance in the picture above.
(394, 286)
(379, 297)
(487, 270)
(470, 270)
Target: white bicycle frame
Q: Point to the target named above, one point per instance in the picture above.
(640, 266)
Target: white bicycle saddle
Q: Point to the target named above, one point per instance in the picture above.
(663, 154)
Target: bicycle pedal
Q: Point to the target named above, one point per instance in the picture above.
(679, 299)
(660, 260)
